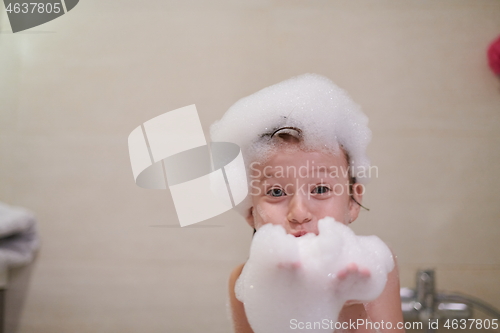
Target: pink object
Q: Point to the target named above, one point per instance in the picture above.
(494, 56)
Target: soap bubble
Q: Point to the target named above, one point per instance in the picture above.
(304, 278)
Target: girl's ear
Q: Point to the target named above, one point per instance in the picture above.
(354, 207)
(249, 218)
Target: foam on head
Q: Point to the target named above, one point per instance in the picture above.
(325, 114)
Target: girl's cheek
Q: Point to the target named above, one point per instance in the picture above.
(347, 218)
(262, 214)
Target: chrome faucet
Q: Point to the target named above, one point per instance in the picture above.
(425, 305)
(426, 295)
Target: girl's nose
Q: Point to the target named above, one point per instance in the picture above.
(298, 210)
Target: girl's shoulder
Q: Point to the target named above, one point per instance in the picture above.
(235, 274)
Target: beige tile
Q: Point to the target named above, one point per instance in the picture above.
(6, 171)
(433, 63)
(435, 199)
(85, 297)
(114, 89)
(10, 66)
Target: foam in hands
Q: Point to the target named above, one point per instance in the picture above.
(309, 278)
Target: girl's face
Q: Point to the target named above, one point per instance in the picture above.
(296, 189)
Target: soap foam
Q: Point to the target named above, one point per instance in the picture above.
(289, 277)
(324, 112)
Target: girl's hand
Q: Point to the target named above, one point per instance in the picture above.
(353, 271)
(350, 278)
(290, 265)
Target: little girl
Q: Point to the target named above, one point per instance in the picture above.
(304, 144)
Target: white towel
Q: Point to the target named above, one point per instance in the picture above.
(18, 236)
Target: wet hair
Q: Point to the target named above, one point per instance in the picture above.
(287, 132)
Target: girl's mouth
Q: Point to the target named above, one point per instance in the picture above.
(299, 233)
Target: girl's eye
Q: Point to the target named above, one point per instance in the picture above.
(276, 192)
(321, 189)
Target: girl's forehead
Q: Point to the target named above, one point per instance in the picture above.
(298, 160)
(310, 158)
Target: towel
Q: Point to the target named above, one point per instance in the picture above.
(19, 238)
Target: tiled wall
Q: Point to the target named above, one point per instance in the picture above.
(112, 259)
